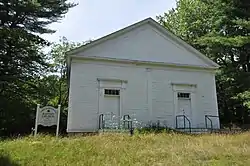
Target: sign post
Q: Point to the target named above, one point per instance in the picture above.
(58, 120)
(37, 114)
(47, 116)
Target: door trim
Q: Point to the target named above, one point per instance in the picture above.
(184, 88)
(110, 83)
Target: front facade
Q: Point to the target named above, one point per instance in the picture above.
(142, 71)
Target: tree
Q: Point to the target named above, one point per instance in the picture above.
(53, 88)
(59, 66)
(21, 21)
(21, 58)
(219, 29)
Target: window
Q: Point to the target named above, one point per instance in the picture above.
(184, 95)
(112, 92)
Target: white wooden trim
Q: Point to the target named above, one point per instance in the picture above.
(121, 105)
(186, 87)
(192, 105)
(183, 84)
(149, 93)
(215, 96)
(139, 62)
(134, 65)
(70, 101)
(193, 115)
(111, 80)
(98, 102)
(216, 102)
(175, 102)
(101, 95)
(192, 91)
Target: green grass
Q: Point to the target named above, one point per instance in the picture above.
(115, 149)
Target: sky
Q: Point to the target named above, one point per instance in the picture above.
(92, 19)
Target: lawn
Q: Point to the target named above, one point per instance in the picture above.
(115, 149)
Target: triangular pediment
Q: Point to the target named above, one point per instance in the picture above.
(145, 41)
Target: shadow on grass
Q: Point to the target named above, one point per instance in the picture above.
(6, 161)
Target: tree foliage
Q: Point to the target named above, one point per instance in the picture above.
(220, 29)
(21, 60)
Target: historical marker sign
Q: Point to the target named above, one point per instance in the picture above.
(47, 116)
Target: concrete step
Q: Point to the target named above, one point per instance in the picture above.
(125, 131)
(194, 130)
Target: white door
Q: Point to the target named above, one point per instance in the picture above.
(184, 108)
(111, 108)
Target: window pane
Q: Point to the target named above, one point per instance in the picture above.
(184, 95)
(113, 92)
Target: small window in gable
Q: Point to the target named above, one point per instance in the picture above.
(183, 95)
(112, 92)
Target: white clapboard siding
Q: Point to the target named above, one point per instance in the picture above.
(84, 87)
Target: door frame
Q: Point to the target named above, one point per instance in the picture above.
(110, 84)
(184, 88)
(189, 115)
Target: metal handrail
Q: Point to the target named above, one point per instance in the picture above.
(207, 117)
(124, 120)
(101, 121)
(130, 125)
(128, 120)
(185, 118)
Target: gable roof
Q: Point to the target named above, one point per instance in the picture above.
(138, 24)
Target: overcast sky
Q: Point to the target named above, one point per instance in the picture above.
(92, 19)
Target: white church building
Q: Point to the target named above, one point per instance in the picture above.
(143, 71)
